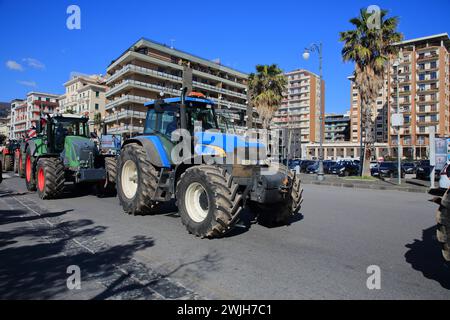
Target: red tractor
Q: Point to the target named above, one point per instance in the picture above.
(8, 155)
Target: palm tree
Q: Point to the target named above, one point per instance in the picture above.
(266, 88)
(370, 48)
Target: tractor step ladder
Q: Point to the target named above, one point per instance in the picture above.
(162, 190)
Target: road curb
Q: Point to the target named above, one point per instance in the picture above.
(364, 186)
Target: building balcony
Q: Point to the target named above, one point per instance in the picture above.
(219, 90)
(429, 57)
(126, 84)
(144, 71)
(125, 114)
(126, 99)
(125, 129)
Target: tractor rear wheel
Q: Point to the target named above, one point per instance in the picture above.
(136, 180)
(8, 162)
(21, 167)
(208, 200)
(443, 225)
(111, 169)
(30, 180)
(281, 213)
(50, 178)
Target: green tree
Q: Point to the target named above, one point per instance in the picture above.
(370, 45)
(266, 88)
(70, 111)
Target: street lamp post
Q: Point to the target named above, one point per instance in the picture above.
(397, 78)
(318, 48)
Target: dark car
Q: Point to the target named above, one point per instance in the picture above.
(409, 167)
(294, 163)
(389, 170)
(345, 168)
(304, 164)
(424, 169)
(314, 168)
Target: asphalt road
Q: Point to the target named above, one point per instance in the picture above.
(322, 255)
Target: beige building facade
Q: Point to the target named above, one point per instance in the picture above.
(148, 69)
(85, 95)
(423, 72)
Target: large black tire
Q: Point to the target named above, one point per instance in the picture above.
(16, 164)
(50, 178)
(278, 214)
(8, 163)
(139, 201)
(30, 175)
(443, 225)
(216, 199)
(111, 169)
(21, 168)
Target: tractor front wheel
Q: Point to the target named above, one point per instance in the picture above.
(278, 214)
(50, 178)
(136, 180)
(29, 172)
(208, 201)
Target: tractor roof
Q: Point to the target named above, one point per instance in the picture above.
(178, 99)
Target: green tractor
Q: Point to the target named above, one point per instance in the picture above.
(213, 177)
(62, 152)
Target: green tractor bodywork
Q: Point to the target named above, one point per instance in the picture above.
(62, 152)
(210, 191)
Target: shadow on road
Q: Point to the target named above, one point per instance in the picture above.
(425, 256)
(34, 268)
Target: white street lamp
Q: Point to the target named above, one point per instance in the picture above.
(318, 48)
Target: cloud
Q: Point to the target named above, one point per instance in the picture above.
(13, 65)
(34, 63)
(28, 83)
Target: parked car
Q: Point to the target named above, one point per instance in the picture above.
(345, 168)
(305, 164)
(314, 168)
(444, 179)
(409, 167)
(389, 170)
(424, 170)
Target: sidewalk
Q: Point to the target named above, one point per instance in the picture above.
(408, 184)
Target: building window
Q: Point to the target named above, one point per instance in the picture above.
(97, 94)
(422, 129)
(96, 106)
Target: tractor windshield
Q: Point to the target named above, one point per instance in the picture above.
(70, 127)
(167, 119)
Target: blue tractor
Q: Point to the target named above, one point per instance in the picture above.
(211, 174)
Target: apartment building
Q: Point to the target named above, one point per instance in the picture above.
(301, 107)
(423, 72)
(85, 95)
(337, 127)
(26, 113)
(379, 114)
(147, 69)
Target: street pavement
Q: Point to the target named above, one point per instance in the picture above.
(323, 254)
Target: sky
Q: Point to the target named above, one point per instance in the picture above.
(38, 52)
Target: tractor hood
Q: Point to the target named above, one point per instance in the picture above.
(223, 144)
(78, 152)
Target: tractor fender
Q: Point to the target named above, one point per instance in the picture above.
(154, 150)
(31, 145)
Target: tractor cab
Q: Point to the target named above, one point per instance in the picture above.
(58, 128)
(165, 116)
